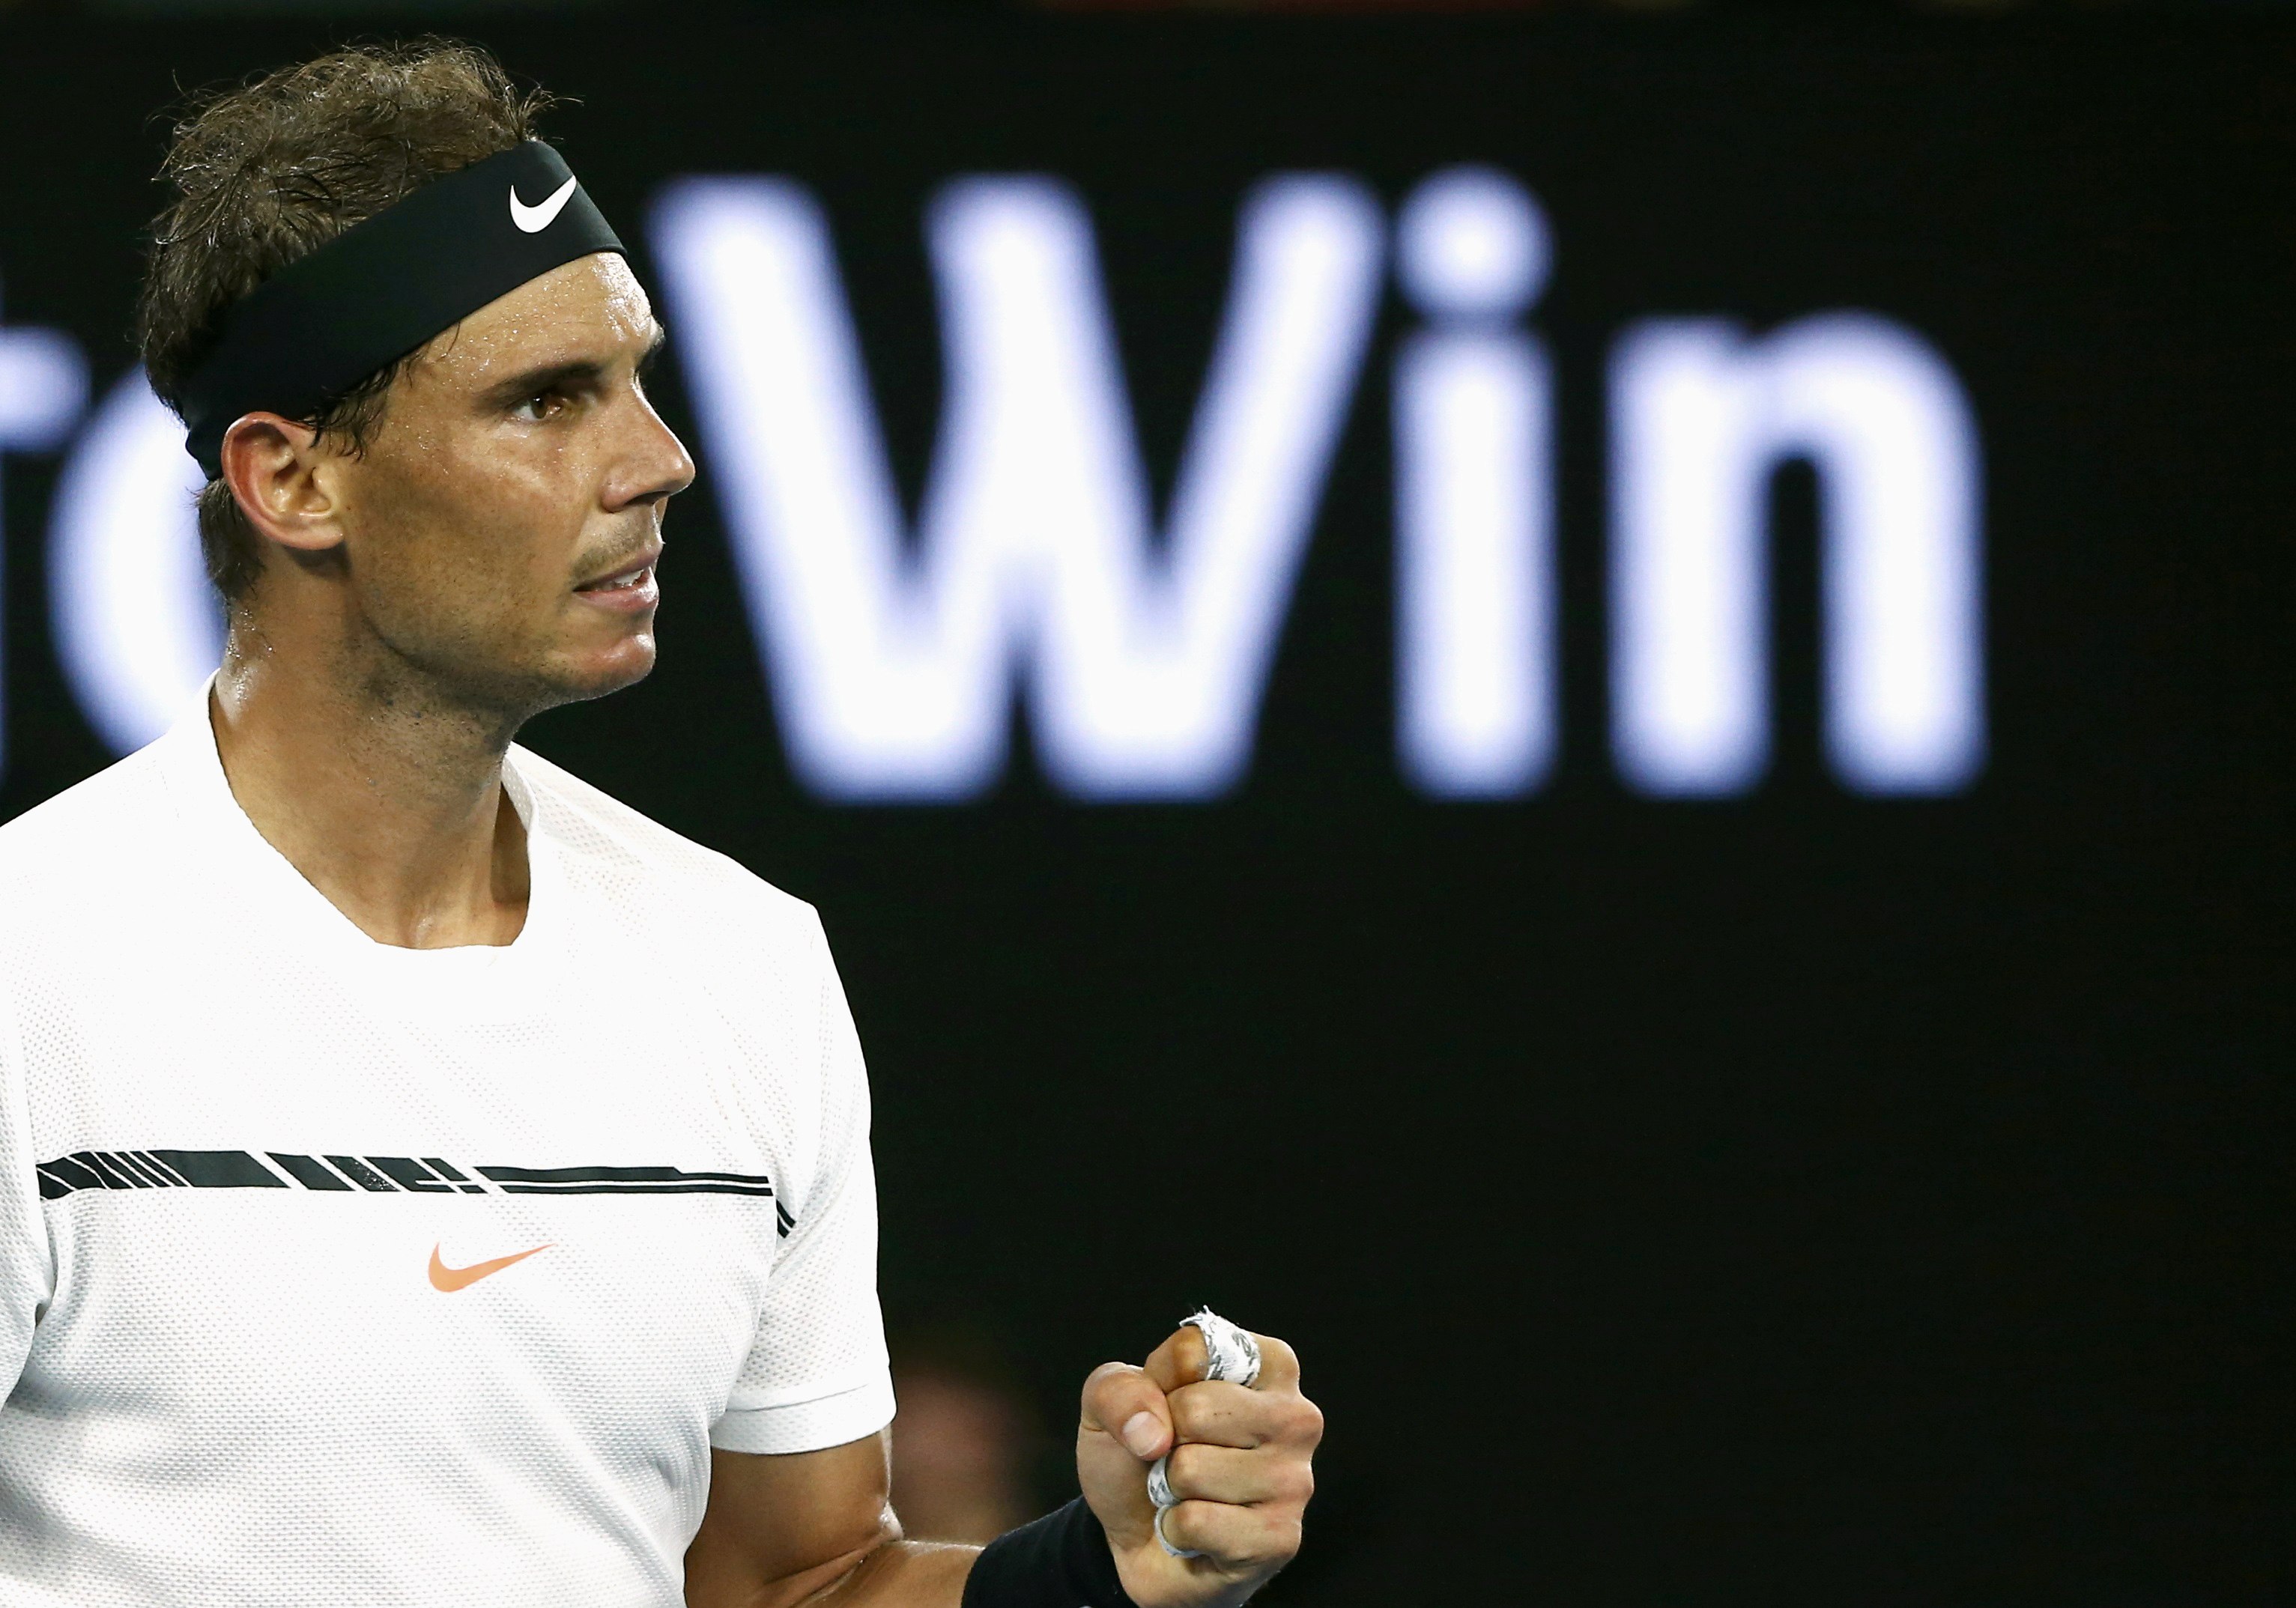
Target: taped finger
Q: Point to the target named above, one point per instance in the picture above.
(1165, 1541)
(1232, 1538)
(1230, 1353)
(1232, 1477)
(1159, 1482)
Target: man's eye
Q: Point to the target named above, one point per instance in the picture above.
(541, 405)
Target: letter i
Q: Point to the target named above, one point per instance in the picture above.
(1475, 590)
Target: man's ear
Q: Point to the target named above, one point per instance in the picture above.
(280, 476)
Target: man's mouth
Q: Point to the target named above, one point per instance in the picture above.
(630, 588)
(621, 580)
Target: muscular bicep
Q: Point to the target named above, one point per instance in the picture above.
(778, 1529)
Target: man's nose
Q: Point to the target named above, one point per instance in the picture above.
(653, 465)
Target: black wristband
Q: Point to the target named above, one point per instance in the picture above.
(1061, 1561)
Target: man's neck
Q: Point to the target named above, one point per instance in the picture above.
(386, 796)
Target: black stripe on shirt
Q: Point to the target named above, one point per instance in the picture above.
(219, 1168)
(766, 1190)
(307, 1170)
(359, 1173)
(624, 1175)
(90, 1170)
(411, 1174)
(153, 1170)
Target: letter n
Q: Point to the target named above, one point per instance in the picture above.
(1700, 418)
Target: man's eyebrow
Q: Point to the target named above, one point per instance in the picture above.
(550, 376)
(533, 382)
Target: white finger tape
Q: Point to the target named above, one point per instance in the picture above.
(1178, 1551)
(1231, 1352)
(1160, 1483)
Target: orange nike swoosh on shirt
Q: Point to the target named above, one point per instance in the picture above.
(451, 1279)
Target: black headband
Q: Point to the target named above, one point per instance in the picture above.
(381, 288)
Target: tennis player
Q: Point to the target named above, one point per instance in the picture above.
(423, 1179)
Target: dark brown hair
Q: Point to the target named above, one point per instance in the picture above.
(267, 171)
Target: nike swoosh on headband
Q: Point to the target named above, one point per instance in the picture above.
(534, 220)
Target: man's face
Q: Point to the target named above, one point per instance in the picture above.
(501, 529)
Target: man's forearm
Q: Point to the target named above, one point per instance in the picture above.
(888, 1573)
(902, 1574)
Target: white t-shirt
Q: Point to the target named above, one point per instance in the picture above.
(273, 1324)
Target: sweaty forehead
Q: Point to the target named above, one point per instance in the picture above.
(590, 310)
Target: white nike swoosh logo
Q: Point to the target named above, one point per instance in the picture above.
(534, 220)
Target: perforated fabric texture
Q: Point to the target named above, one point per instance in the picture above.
(254, 1167)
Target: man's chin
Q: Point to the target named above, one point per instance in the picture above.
(631, 662)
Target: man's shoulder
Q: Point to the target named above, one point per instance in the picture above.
(89, 832)
(68, 866)
(631, 855)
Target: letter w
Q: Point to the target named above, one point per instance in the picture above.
(892, 666)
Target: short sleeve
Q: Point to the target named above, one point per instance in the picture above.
(24, 1264)
(816, 1374)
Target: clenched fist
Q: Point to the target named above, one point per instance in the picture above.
(1240, 1467)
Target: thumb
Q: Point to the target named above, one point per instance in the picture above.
(1125, 1425)
(1122, 1403)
